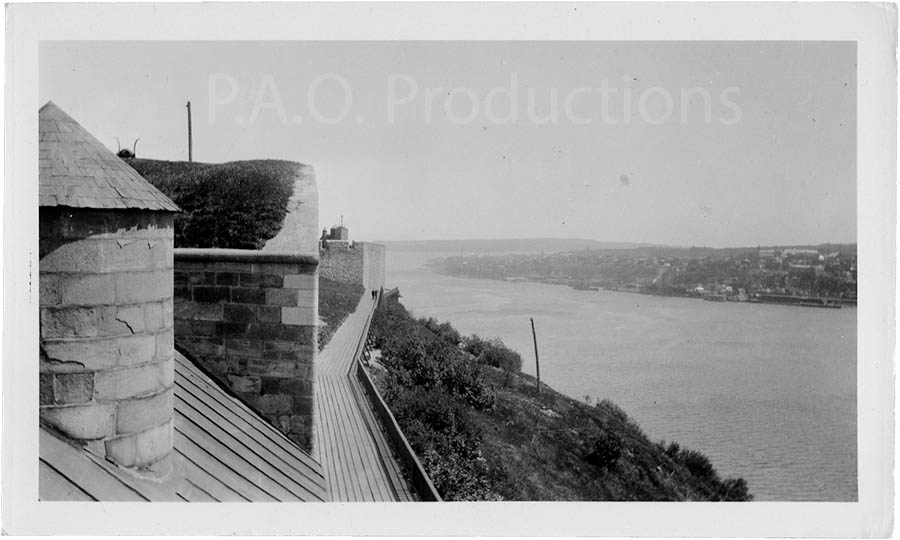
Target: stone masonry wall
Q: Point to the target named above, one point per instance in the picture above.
(249, 317)
(360, 262)
(106, 327)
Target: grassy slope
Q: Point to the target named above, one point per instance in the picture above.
(545, 446)
(336, 301)
(240, 204)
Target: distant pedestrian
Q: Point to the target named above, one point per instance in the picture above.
(374, 294)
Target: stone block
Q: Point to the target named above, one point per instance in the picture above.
(45, 389)
(135, 287)
(154, 318)
(279, 269)
(308, 299)
(246, 295)
(204, 348)
(243, 313)
(168, 313)
(305, 282)
(69, 322)
(80, 354)
(269, 314)
(90, 421)
(142, 413)
(117, 384)
(227, 278)
(87, 289)
(194, 310)
(296, 387)
(203, 328)
(135, 254)
(135, 350)
(244, 384)
(261, 280)
(282, 297)
(74, 388)
(282, 369)
(145, 447)
(211, 294)
(82, 256)
(180, 277)
(303, 406)
(182, 292)
(168, 371)
(165, 345)
(133, 317)
(300, 316)
(202, 278)
(273, 403)
(231, 329)
(239, 267)
(49, 289)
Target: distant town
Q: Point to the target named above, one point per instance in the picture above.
(817, 276)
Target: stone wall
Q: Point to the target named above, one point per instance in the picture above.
(249, 317)
(106, 326)
(359, 262)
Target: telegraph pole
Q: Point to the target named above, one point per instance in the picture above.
(537, 361)
(190, 138)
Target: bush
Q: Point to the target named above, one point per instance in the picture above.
(698, 464)
(606, 449)
(493, 353)
(238, 205)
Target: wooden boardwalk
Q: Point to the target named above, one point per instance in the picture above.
(355, 455)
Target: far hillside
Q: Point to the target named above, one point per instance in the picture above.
(238, 205)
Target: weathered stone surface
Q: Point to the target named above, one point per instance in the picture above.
(305, 282)
(49, 289)
(141, 413)
(282, 297)
(135, 350)
(298, 316)
(135, 254)
(165, 345)
(74, 388)
(246, 295)
(133, 317)
(242, 313)
(88, 290)
(81, 354)
(117, 384)
(244, 384)
(135, 287)
(193, 310)
(134, 450)
(76, 257)
(227, 278)
(45, 389)
(273, 403)
(269, 314)
(90, 421)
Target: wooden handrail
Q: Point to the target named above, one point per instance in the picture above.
(421, 483)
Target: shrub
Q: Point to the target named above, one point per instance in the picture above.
(698, 464)
(606, 449)
(492, 353)
(239, 205)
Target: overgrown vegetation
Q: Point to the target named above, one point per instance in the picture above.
(238, 205)
(336, 301)
(484, 432)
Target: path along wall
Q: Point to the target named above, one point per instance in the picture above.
(249, 317)
(359, 262)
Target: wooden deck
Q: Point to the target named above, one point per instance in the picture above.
(357, 460)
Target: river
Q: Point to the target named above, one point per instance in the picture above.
(768, 392)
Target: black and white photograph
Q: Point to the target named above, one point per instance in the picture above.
(461, 270)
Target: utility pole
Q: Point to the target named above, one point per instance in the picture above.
(537, 361)
(190, 138)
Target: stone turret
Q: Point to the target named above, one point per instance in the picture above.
(106, 313)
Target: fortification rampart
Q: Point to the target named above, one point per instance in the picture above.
(357, 262)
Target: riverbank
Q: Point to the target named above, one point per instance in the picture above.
(484, 432)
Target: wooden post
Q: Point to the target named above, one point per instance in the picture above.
(537, 361)
(190, 137)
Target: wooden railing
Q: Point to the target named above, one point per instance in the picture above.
(419, 479)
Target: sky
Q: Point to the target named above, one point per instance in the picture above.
(682, 143)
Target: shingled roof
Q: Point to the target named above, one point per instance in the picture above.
(76, 170)
(223, 452)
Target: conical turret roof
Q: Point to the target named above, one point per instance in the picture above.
(76, 170)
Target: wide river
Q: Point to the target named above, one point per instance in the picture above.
(768, 392)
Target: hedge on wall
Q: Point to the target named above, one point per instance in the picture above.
(237, 205)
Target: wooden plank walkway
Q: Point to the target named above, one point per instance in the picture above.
(355, 455)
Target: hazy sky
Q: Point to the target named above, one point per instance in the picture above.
(701, 143)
